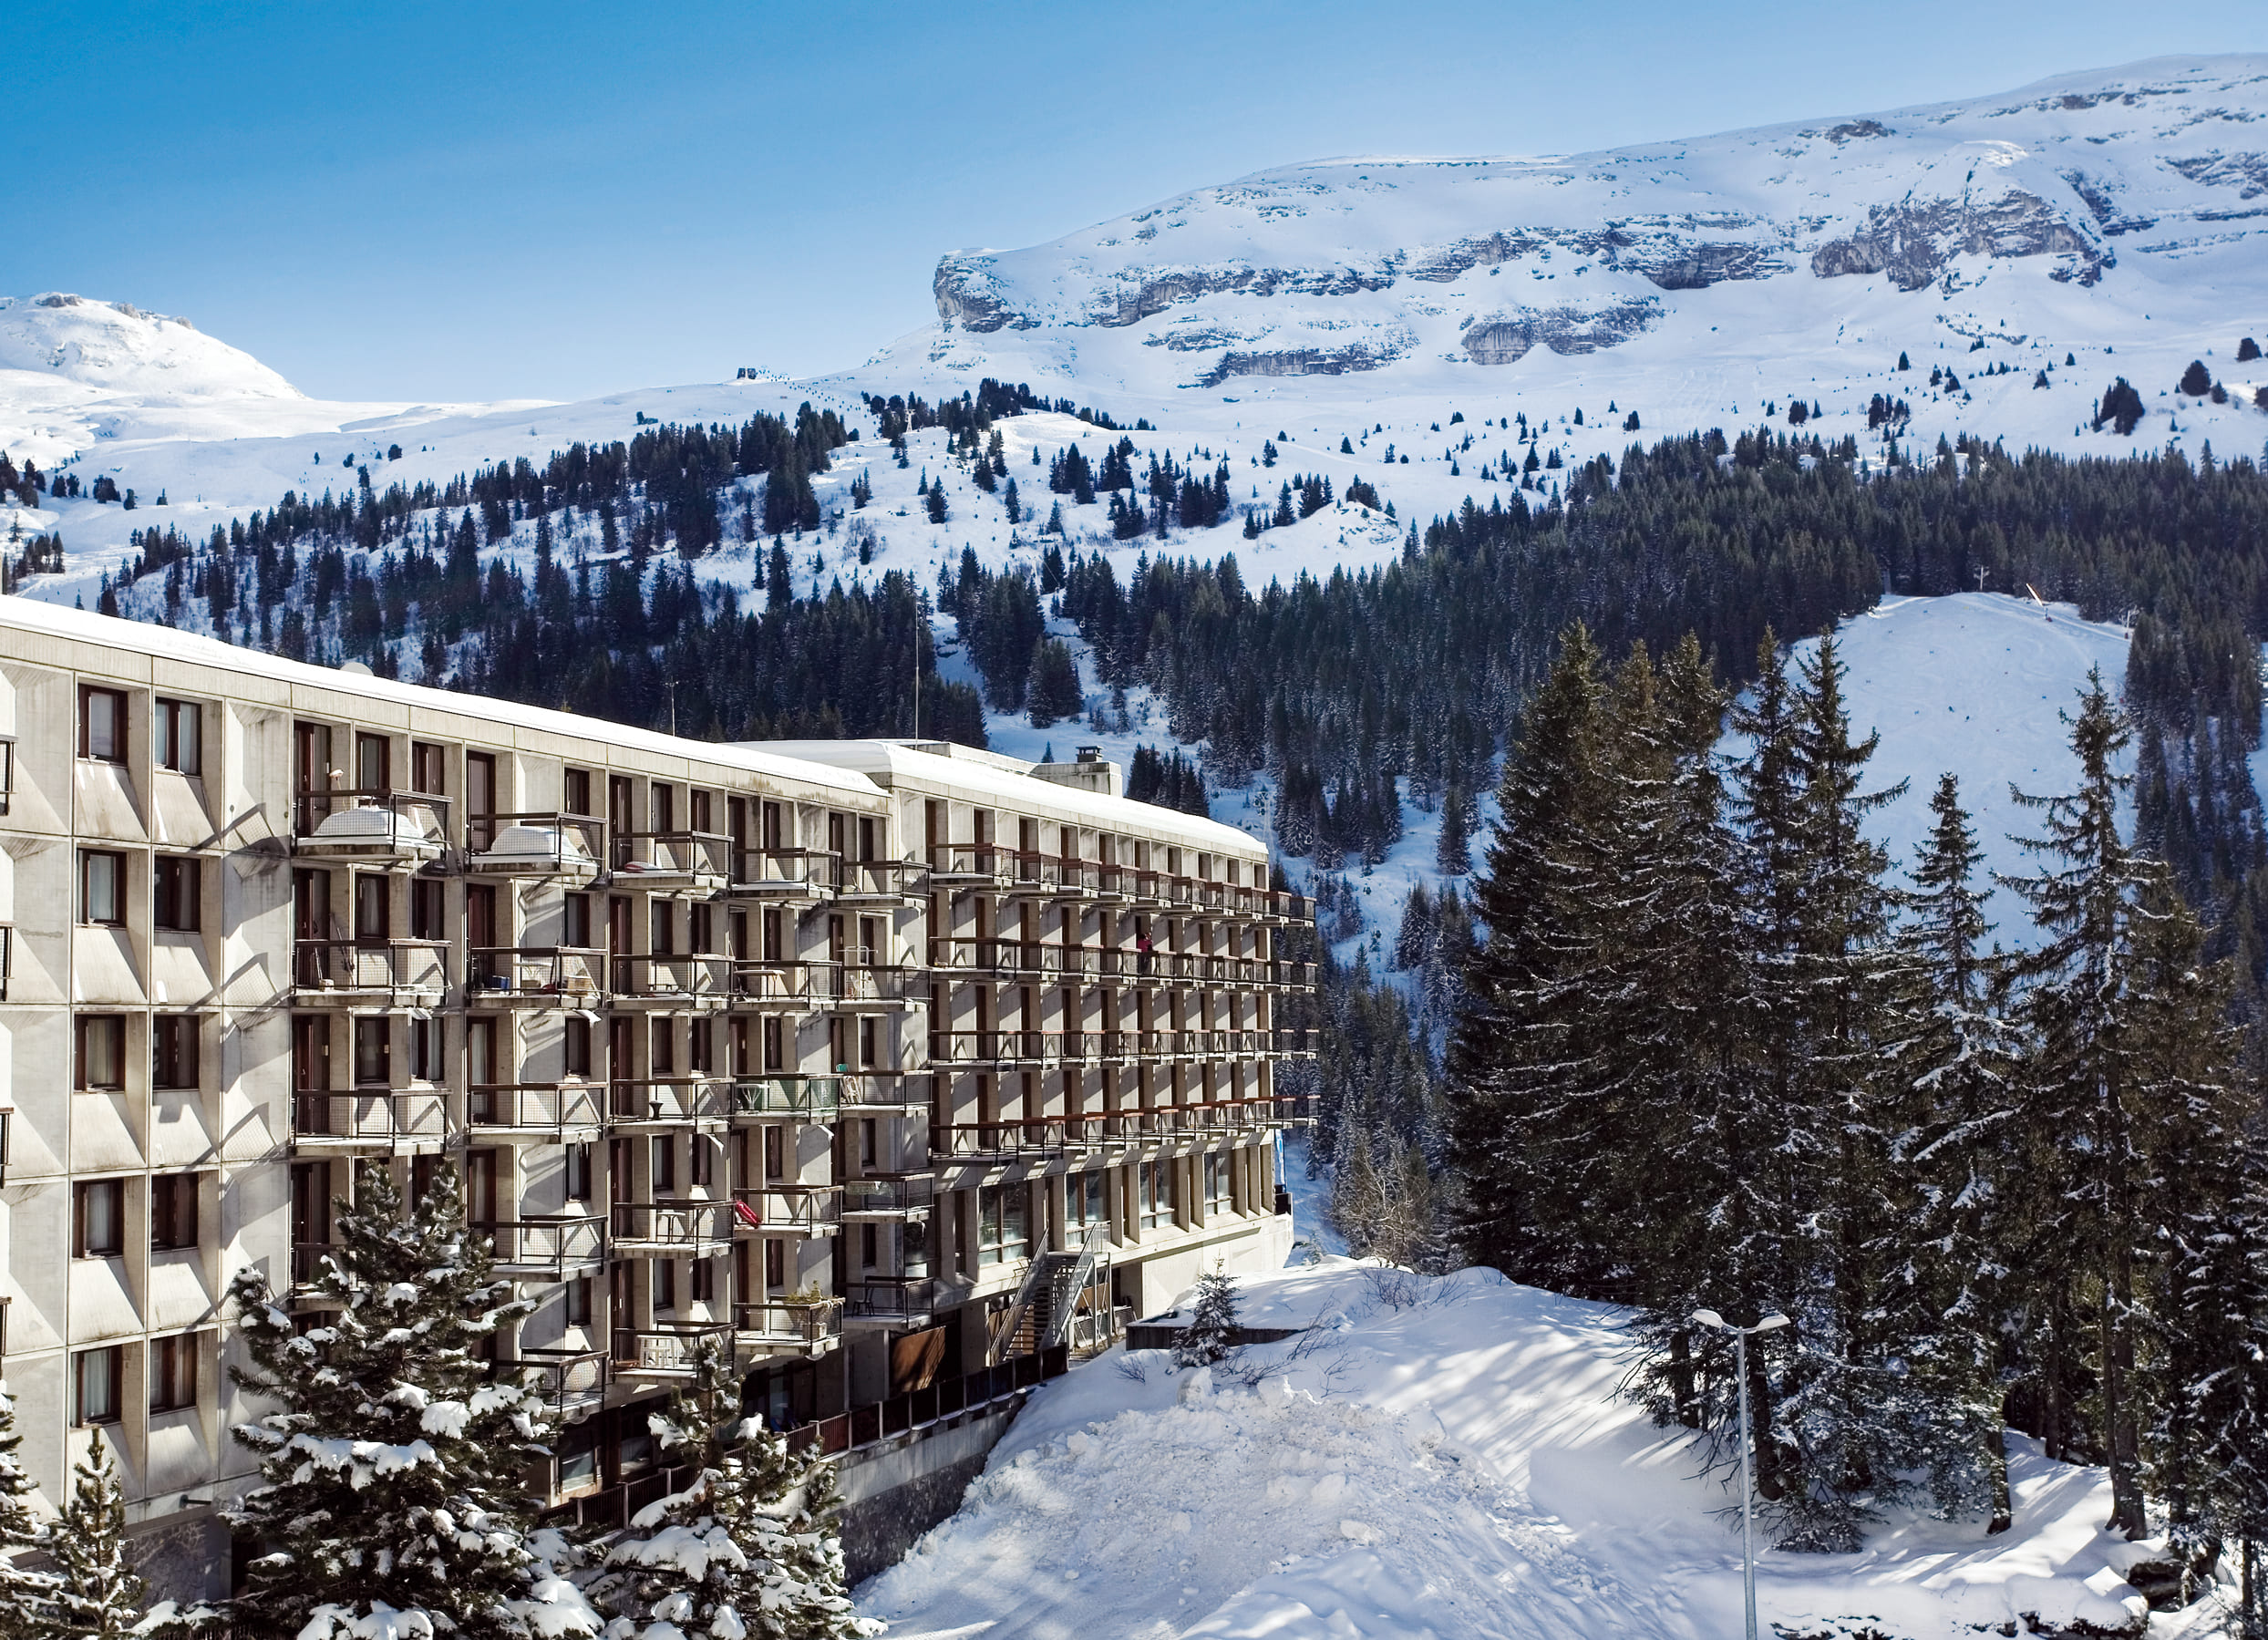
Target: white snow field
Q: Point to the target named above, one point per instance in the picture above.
(1443, 1459)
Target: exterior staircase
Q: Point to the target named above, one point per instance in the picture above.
(1039, 1317)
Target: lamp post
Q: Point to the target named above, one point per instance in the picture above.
(1741, 1334)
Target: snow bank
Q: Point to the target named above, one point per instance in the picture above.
(1437, 1458)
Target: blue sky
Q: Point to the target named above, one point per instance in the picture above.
(425, 202)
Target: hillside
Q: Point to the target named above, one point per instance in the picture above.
(1447, 1458)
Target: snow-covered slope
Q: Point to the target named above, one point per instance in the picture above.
(1453, 1462)
(2118, 209)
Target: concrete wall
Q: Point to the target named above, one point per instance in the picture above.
(894, 1492)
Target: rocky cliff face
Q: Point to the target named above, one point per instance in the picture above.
(2092, 182)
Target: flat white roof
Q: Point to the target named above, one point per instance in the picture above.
(989, 775)
(143, 638)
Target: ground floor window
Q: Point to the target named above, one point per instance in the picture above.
(1004, 1232)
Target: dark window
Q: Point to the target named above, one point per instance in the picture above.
(98, 1217)
(102, 725)
(664, 925)
(577, 1047)
(429, 768)
(579, 1302)
(704, 1281)
(664, 807)
(174, 1050)
(373, 1062)
(425, 1048)
(173, 1212)
(775, 1043)
(179, 882)
(373, 763)
(664, 1284)
(101, 1052)
(173, 1372)
(664, 1165)
(699, 929)
(870, 1247)
(99, 1385)
(700, 1035)
(574, 921)
(776, 1264)
(373, 906)
(775, 1151)
(578, 1173)
(179, 729)
(1002, 1226)
(577, 792)
(428, 900)
(704, 1162)
(102, 887)
(699, 813)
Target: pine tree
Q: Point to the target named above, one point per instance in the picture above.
(750, 1548)
(1452, 855)
(97, 1593)
(1051, 690)
(27, 1597)
(392, 1465)
(1211, 1334)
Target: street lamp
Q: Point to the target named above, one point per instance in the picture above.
(1710, 1318)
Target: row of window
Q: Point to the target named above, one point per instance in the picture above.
(98, 1379)
(99, 1215)
(177, 730)
(176, 890)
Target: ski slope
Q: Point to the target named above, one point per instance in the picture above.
(1447, 1458)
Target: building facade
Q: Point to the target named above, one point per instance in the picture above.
(880, 1062)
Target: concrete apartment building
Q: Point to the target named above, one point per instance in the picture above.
(896, 1066)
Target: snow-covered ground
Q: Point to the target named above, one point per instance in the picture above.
(1442, 1458)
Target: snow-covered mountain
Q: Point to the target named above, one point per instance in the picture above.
(2124, 209)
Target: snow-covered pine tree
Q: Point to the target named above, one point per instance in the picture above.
(1452, 854)
(1957, 1152)
(1211, 1334)
(392, 1460)
(2081, 1120)
(26, 1596)
(749, 1549)
(1413, 942)
(97, 1593)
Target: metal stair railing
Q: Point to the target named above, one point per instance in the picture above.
(1063, 1297)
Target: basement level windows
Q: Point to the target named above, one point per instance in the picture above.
(1004, 1234)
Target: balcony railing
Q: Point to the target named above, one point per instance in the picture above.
(373, 824)
(678, 979)
(551, 1110)
(539, 975)
(543, 843)
(680, 1226)
(670, 1101)
(805, 1098)
(801, 1210)
(663, 1352)
(948, 1397)
(544, 1247)
(1014, 1138)
(783, 873)
(891, 1196)
(369, 969)
(782, 1324)
(569, 1381)
(898, 1298)
(677, 858)
(375, 1119)
(880, 880)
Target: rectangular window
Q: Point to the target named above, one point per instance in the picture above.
(429, 915)
(579, 1302)
(101, 1052)
(698, 817)
(173, 1212)
(704, 1162)
(98, 1383)
(102, 887)
(374, 1057)
(662, 1047)
(424, 1048)
(177, 902)
(173, 1372)
(700, 1039)
(775, 1043)
(775, 1266)
(102, 725)
(98, 1217)
(870, 1247)
(870, 1042)
(1220, 1171)
(374, 919)
(1083, 1198)
(700, 930)
(1155, 1188)
(575, 793)
(578, 1172)
(662, 925)
(664, 1284)
(373, 763)
(775, 1151)
(664, 807)
(179, 731)
(174, 1050)
(429, 768)
(665, 1165)
(576, 1048)
(1004, 1229)
(704, 1281)
(574, 921)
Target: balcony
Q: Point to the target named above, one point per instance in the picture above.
(697, 862)
(665, 1104)
(543, 1113)
(812, 1326)
(376, 1122)
(1052, 879)
(783, 876)
(670, 1227)
(787, 1210)
(398, 829)
(787, 984)
(1031, 1138)
(540, 845)
(660, 980)
(534, 976)
(1294, 1044)
(571, 1382)
(897, 1301)
(800, 1098)
(888, 1198)
(662, 1353)
(961, 866)
(880, 882)
(861, 986)
(879, 1093)
(549, 1249)
(369, 972)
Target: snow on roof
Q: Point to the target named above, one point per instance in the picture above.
(75, 625)
(894, 763)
